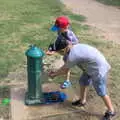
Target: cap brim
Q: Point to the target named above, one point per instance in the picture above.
(54, 28)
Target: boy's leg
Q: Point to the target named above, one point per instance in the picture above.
(84, 82)
(83, 93)
(81, 101)
(67, 82)
(108, 103)
(68, 76)
(99, 84)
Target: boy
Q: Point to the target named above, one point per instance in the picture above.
(95, 68)
(64, 33)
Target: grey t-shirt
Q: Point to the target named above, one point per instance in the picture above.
(89, 59)
(68, 35)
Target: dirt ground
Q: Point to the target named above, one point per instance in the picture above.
(93, 110)
(103, 17)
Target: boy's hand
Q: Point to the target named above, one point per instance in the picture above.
(52, 74)
(50, 52)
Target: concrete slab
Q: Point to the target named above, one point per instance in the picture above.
(22, 112)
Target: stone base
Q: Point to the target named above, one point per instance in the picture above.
(20, 111)
(35, 101)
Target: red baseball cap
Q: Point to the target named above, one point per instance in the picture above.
(61, 22)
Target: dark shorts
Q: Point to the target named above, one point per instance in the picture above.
(98, 82)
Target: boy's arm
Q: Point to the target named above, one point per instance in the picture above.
(51, 49)
(63, 70)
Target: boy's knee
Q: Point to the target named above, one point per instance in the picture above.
(100, 87)
(101, 94)
(84, 83)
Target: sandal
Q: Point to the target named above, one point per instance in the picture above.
(65, 85)
(78, 102)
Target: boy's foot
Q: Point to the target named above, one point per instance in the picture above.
(65, 85)
(78, 103)
(108, 115)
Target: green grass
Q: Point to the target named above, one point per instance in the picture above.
(110, 2)
(24, 23)
(76, 17)
(4, 108)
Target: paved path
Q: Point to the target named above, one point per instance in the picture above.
(105, 18)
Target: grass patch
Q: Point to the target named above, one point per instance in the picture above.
(76, 17)
(110, 2)
(4, 109)
(25, 23)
